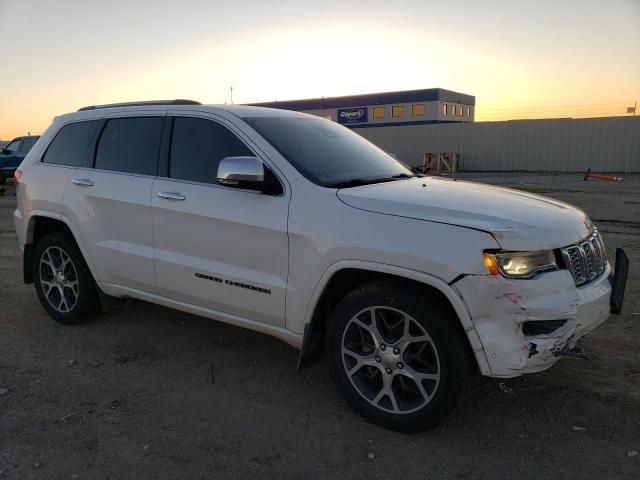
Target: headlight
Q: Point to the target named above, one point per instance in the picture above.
(520, 264)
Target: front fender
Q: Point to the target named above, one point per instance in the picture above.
(452, 296)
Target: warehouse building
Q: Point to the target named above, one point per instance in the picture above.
(409, 107)
(418, 126)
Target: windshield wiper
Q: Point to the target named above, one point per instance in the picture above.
(357, 182)
(404, 175)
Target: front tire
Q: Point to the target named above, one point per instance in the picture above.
(64, 284)
(397, 355)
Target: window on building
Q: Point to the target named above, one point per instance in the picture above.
(417, 110)
(469, 112)
(444, 109)
(397, 111)
(460, 110)
(378, 112)
(198, 145)
(130, 145)
(69, 146)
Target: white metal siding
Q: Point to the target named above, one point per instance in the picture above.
(563, 145)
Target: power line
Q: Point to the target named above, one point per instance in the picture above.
(556, 114)
(579, 110)
(534, 112)
(551, 110)
(543, 117)
(556, 106)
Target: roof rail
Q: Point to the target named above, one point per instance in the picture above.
(141, 104)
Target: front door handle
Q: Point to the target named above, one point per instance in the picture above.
(171, 196)
(83, 182)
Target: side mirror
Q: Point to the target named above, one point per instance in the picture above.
(242, 172)
(248, 173)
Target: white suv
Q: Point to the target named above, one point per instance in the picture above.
(296, 227)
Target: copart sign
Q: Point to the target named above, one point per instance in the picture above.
(352, 115)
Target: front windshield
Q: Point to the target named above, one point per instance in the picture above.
(328, 154)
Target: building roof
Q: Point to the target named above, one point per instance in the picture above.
(405, 96)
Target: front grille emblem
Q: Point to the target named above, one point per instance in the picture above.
(587, 259)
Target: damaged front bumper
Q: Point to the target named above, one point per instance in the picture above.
(525, 325)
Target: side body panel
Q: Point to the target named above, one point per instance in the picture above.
(111, 218)
(223, 248)
(113, 221)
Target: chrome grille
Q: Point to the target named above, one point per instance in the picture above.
(586, 260)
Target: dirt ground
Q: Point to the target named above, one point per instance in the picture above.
(130, 395)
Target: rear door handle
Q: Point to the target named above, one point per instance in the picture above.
(83, 182)
(171, 196)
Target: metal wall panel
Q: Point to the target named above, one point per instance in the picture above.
(560, 145)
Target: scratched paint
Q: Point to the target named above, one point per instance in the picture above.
(549, 296)
(513, 297)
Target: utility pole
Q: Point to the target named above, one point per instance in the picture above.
(231, 95)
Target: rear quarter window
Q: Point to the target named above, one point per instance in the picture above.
(69, 147)
(130, 145)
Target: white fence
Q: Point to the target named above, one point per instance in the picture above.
(563, 145)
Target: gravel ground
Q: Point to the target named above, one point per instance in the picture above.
(131, 395)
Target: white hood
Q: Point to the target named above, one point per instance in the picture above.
(518, 220)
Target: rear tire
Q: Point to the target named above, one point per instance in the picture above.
(398, 355)
(64, 284)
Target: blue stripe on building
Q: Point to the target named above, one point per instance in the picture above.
(398, 124)
(370, 99)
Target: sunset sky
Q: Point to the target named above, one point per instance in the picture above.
(521, 59)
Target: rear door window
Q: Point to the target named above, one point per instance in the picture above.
(69, 147)
(198, 145)
(28, 144)
(130, 145)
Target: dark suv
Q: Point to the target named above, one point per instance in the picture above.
(12, 155)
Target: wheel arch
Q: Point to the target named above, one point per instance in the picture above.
(40, 224)
(342, 277)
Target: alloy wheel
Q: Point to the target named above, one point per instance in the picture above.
(59, 279)
(390, 359)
